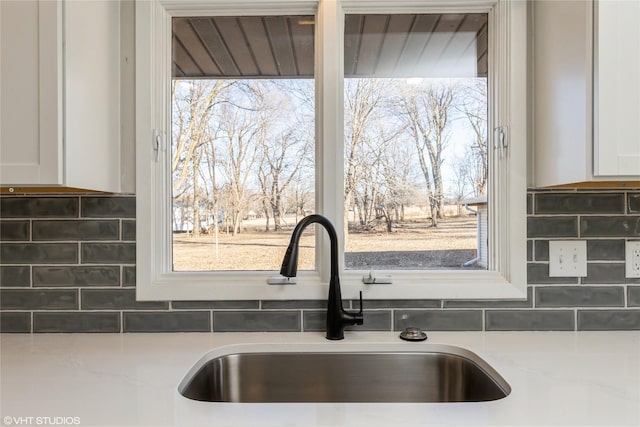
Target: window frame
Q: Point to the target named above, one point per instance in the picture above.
(507, 183)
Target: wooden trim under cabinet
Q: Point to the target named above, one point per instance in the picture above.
(633, 185)
(15, 191)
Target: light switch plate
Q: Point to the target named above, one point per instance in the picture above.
(567, 258)
(632, 257)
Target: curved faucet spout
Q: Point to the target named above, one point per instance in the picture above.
(337, 316)
(290, 262)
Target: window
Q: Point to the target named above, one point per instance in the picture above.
(415, 145)
(243, 140)
(234, 133)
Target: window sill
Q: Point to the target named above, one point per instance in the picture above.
(251, 286)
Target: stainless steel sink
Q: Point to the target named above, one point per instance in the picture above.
(438, 374)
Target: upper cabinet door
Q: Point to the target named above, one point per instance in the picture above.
(586, 124)
(617, 88)
(92, 94)
(66, 81)
(31, 88)
(562, 140)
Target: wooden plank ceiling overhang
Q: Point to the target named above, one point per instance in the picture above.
(399, 45)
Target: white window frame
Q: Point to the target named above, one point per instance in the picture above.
(507, 185)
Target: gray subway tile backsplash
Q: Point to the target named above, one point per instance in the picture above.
(439, 320)
(129, 230)
(15, 322)
(39, 207)
(108, 275)
(605, 250)
(601, 273)
(39, 299)
(14, 231)
(128, 276)
(549, 226)
(606, 320)
(633, 203)
(19, 275)
(314, 321)
(108, 207)
(583, 203)
(610, 226)
(76, 230)
(579, 296)
(216, 305)
(67, 263)
(108, 253)
(256, 321)
(398, 303)
(39, 253)
(293, 304)
(374, 320)
(76, 322)
(541, 250)
(176, 321)
(538, 274)
(633, 296)
(529, 320)
(117, 299)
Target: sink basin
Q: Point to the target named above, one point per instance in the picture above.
(435, 373)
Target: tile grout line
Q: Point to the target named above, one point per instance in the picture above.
(212, 323)
(626, 295)
(301, 320)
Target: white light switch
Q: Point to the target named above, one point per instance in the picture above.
(567, 258)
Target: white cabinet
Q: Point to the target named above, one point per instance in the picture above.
(31, 83)
(61, 73)
(586, 115)
(617, 87)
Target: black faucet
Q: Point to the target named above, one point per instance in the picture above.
(337, 317)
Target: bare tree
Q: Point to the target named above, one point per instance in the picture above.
(213, 191)
(368, 186)
(263, 179)
(286, 149)
(302, 195)
(241, 132)
(363, 97)
(282, 158)
(388, 176)
(193, 106)
(397, 182)
(426, 112)
(474, 108)
(461, 182)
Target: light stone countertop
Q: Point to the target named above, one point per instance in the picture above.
(557, 378)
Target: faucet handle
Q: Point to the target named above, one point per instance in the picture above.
(359, 316)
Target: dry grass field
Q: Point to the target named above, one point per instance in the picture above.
(414, 244)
